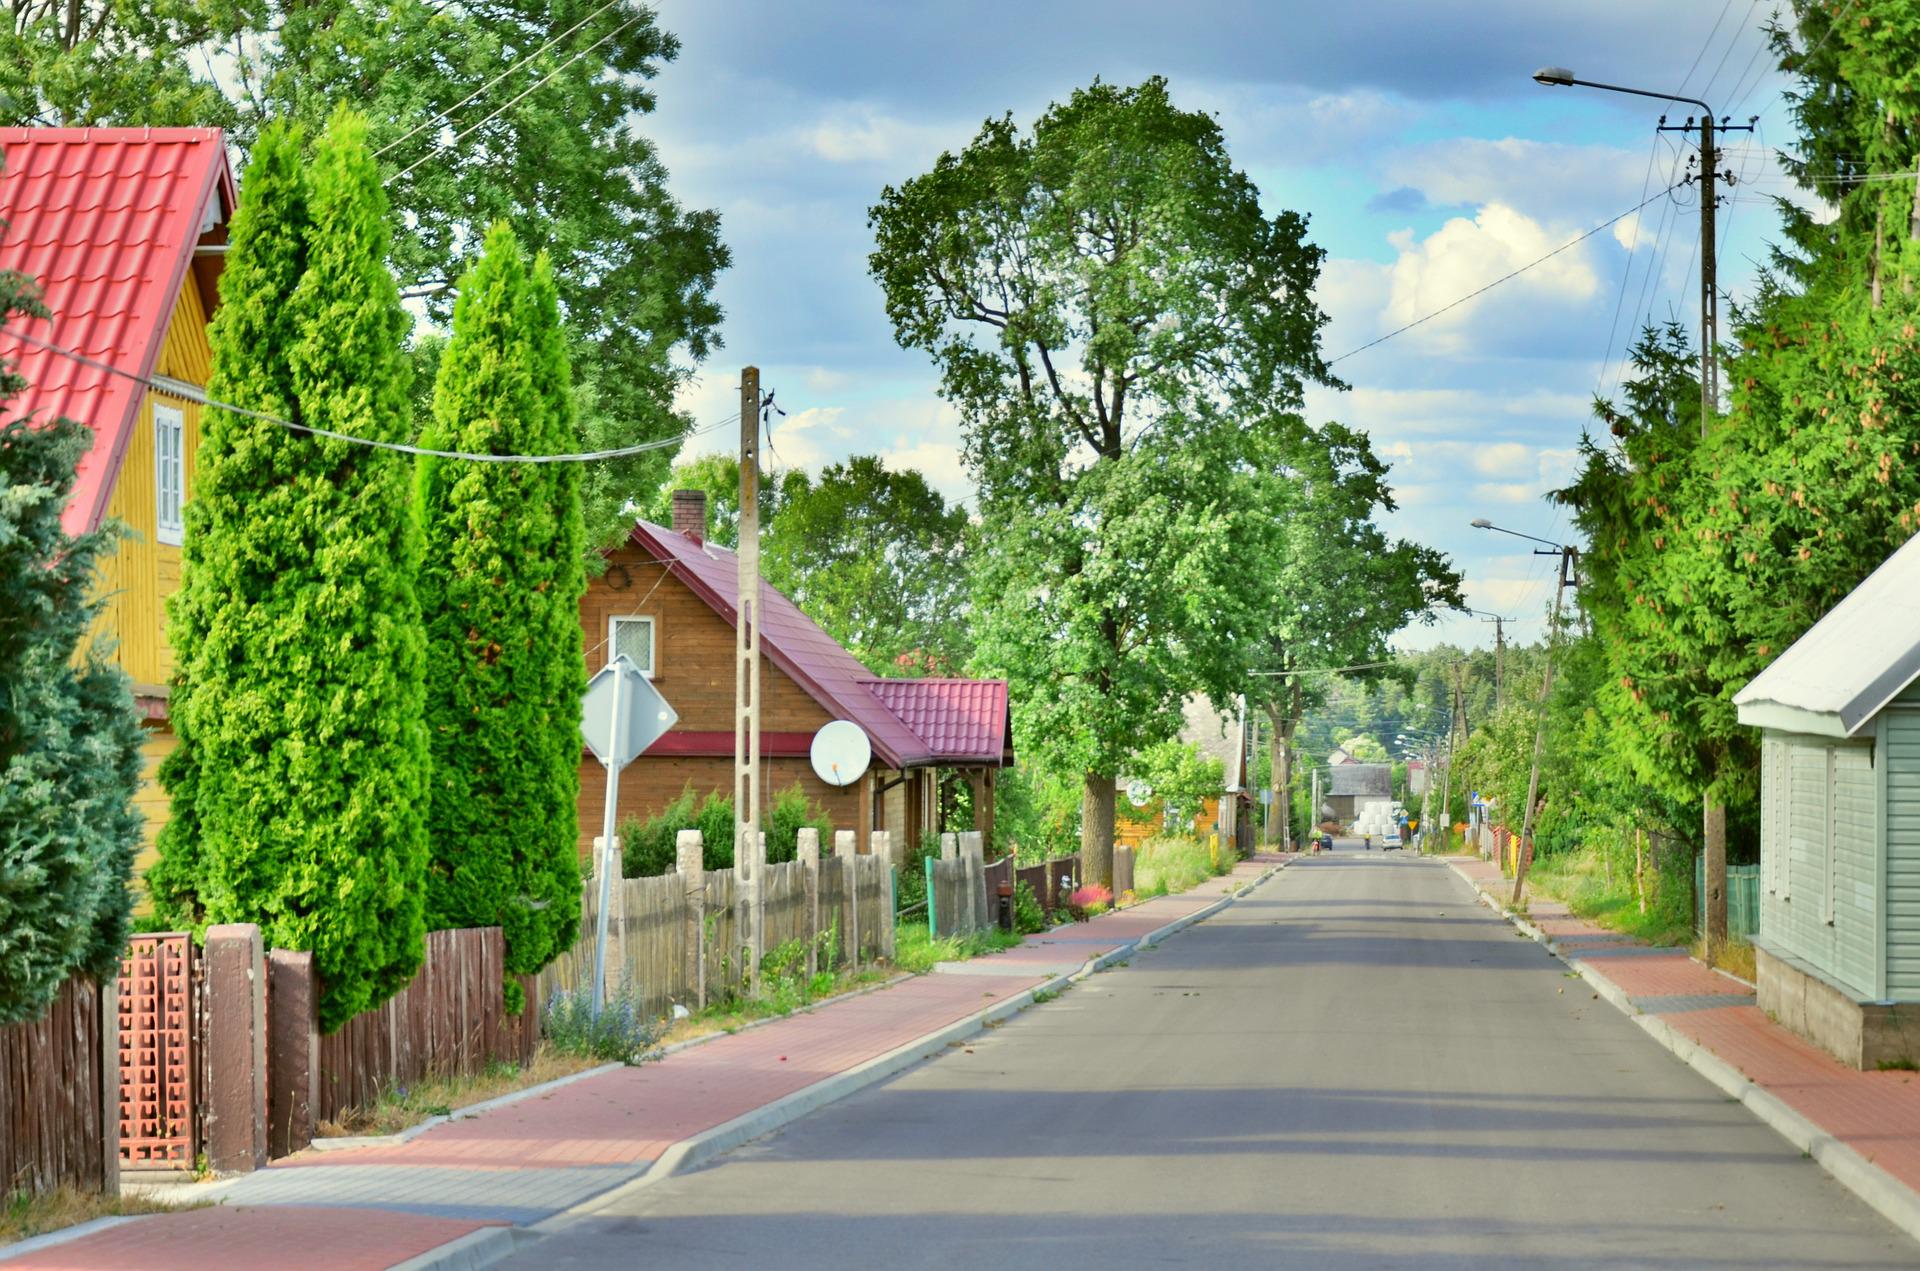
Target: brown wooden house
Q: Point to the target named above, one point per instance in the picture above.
(667, 601)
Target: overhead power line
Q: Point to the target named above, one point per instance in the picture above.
(513, 101)
(194, 393)
(1329, 670)
(1508, 277)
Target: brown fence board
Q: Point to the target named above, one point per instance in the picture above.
(52, 1106)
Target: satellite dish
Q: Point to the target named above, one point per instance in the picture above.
(840, 753)
(1138, 792)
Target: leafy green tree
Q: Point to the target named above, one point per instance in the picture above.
(1329, 588)
(69, 736)
(464, 140)
(1122, 330)
(298, 634)
(875, 557)
(718, 477)
(1182, 778)
(500, 587)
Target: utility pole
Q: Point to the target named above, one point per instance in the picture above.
(1567, 555)
(1499, 663)
(748, 865)
(1708, 177)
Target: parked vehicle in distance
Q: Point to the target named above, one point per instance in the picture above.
(1390, 841)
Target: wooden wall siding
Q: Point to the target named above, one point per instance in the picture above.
(151, 798)
(1901, 760)
(1820, 858)
(451, 1019)
(142, 571)
(54, 1087)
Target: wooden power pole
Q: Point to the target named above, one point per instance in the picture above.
(748, 862)
(1540, 731)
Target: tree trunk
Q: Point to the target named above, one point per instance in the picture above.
(1096, 830)
(1716, 876)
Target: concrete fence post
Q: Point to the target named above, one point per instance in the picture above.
(807, 852)
(293, 1051)
(108, 1002)
(949, 847)
(689, 851)
(1122, 871)
(973, 850)
(881, 846)
(845, 849)
(236, 1048)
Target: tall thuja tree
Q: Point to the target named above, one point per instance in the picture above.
(500, 587)
(301, 685)
(1123, 330)
(69, 736)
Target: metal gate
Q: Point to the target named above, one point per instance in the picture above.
(157, 1036)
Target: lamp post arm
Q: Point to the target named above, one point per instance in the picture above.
(1642, 92)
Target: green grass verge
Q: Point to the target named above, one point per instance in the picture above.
(915, 949)
(1173, 864)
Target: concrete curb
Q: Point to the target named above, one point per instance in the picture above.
(1879, 1190)
(21, 1248)
(471, 1252)
(689, 1153)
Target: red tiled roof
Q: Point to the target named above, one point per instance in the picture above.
(105, 221)
(824, 670)
(961, 721)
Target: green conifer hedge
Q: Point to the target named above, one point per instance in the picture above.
(500, 587)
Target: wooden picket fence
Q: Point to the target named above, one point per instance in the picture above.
(57, 1077)
(452, 1019)
(672, 939)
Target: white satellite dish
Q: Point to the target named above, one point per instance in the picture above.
(840, 753)
(1138, 792)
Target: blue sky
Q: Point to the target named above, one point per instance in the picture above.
(1409, 131)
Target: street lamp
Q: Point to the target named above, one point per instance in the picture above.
(1499, 640)
(1567, 555)
(1561, 77)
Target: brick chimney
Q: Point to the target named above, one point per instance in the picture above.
(690, 514)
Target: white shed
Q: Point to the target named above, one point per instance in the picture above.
(1839, 938)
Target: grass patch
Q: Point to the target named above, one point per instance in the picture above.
(1581, 882)
(400, 1107)
(1168, 865)
(915, 949)
(1736, 958)
(24, 1215)
(1902, 1064)
(736, 1013)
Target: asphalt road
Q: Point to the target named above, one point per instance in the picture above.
(1357, 1066)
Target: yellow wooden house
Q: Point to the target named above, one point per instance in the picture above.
(124, 232)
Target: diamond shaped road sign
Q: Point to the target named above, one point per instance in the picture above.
(643, 715)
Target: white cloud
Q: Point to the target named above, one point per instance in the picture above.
(862, 133)
(939, 462)
(1548, 179)
(1463, 256)
(1505, 458)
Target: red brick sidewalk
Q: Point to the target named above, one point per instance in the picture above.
(1877, 1114)
(585, 1137)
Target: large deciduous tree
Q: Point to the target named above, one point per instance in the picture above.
(500, 588)
(69, 736)
(465, 137)
(1124, 332)
(875, 557)
(301, 798)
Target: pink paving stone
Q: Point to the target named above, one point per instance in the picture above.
(1664, 975)
(286, 1237)
(1875, 1113)
(632, 1116)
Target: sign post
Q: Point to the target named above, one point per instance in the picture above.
(621, 716)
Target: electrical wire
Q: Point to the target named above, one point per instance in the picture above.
(193, 393)
(510, 103)
(1653, 150)
(1507, 277)
(431, 120)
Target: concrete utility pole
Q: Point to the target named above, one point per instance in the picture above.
(748, 846)
(1567, 555)
(1560, 76)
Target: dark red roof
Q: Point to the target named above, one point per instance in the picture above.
(105, 221)
(964, 721)
(952, 712)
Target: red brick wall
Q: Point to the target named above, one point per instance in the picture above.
(693, 669)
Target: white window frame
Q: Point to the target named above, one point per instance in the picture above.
(653, 639)
(169, 472)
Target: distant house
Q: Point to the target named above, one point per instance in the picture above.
(1217, 734)
(123, 229)
(1351, 784)
(667, 601)
(1838, 949)
(1341, 755)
